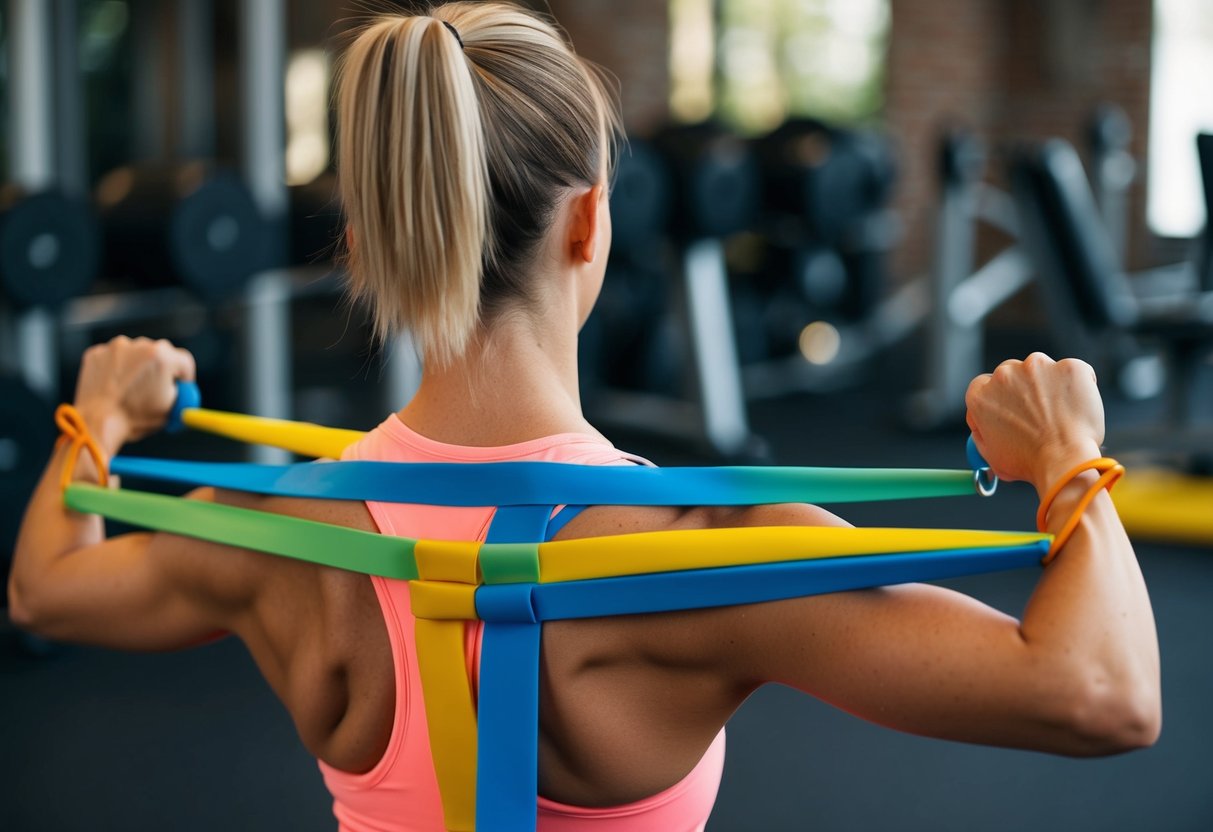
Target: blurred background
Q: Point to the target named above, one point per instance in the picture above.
(830, 216)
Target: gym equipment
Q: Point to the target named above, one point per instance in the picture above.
(628, 318)
(1166, 505)
(962, 297)
(828, 231)
(824, 191)
(715, 185)
(715, 178)
(1084, 282)
(27, 433)
(316, 220)
(485, 755)
(190, 223)
(35, 150)
(640, 197)
(48, 247)
(1113, 170)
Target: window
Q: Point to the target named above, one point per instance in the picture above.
(1181, 105)
(754, 63)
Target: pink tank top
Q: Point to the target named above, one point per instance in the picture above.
(400, 794)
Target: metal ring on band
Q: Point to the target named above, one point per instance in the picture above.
(985, 481)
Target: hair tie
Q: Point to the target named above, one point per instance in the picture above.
(454, 32)
(74, 432)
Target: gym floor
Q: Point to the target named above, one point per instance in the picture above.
(196, 741)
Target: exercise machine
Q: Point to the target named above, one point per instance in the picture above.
(1084, 283)
(963, 296)
(828, 232)
(713, 193)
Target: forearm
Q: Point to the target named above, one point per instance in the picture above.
(1089, 624)
(50, 532)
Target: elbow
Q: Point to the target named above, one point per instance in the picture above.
(22, 609)
(18, 610)
(1104, 718)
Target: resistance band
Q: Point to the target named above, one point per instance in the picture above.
(515, 587)
(556, 483)
(558, 561)
(487, 762)
(325, 443)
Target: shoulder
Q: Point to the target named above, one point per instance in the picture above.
(704, 637)
(232, 578)
(611, 520)
(351, 513)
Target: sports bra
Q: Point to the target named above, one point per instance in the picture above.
(401, 792)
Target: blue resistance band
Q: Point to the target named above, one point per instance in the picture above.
(525, 493)
(507, 724)
(556, 483)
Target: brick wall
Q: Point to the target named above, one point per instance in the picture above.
(1070, 57)
(1009, 69)
(631, 39)
(945, 59)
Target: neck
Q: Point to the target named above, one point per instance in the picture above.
(515, 382)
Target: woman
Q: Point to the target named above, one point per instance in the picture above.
(475, 155)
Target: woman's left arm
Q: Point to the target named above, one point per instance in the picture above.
(67, 581)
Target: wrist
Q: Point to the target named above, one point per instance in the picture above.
(1059, 460)
(106, 423)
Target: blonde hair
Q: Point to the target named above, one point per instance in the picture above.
(459, 131)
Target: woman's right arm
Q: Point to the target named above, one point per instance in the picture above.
(1079, 675)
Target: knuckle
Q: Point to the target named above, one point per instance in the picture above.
(1006, 367)
(1076, 366)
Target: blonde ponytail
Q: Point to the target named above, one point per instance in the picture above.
(459, 131)
(415, 186)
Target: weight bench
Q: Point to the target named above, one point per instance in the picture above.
(1085, 284)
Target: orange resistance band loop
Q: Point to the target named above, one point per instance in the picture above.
(1110, 471)
(75, 431)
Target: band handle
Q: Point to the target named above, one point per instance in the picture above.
(188, 398)
(984, 478)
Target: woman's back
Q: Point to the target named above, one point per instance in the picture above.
(475, 157)
(400, 791)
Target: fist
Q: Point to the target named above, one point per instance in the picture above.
(1030, 418)
(127, 387)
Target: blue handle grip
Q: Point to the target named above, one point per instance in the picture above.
(976, 461)
(983, 477)
(188, 396)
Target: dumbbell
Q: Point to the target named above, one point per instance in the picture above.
(190, 223)
(640, 197)
(716, 183)
(827, 178)
(48, 247)
(824, 189)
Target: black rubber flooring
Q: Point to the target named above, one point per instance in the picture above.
(95, 740)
